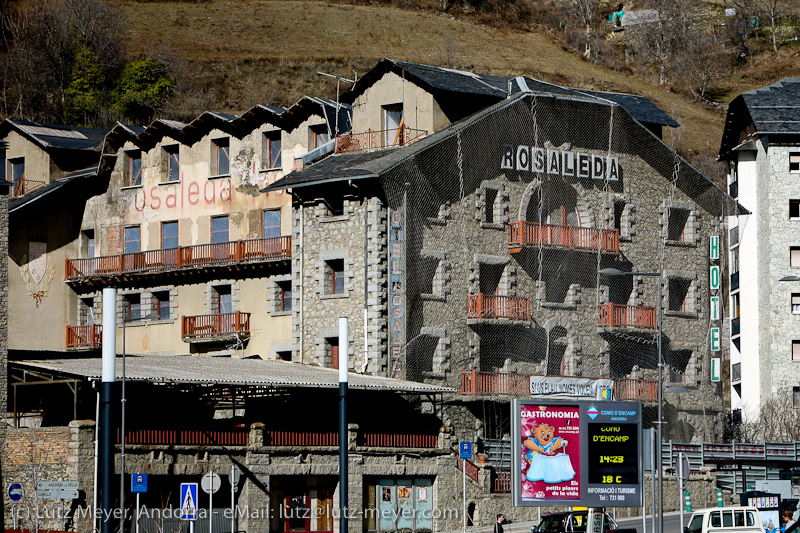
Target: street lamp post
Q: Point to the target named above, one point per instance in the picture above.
(659, 422)
(125, 321)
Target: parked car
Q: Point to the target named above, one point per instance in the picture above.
(725, 520)
(574, 522)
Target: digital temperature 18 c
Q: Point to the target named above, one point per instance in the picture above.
(613, 453)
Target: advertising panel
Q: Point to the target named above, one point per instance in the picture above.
(548, 461)
(576, 453)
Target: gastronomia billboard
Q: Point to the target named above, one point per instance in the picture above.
(576, 453)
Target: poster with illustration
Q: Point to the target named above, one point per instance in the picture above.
(550, 449)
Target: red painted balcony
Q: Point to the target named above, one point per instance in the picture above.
(385, 440)
(501, 480)
(213, 327)
(476, 383)
(524, 233)
(84, 337)
(492, 306)
(234, 437)
(613, 315)
(378, 139)
(469, 468)
(183, 257)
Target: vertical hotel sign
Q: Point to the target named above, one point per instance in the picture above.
(714, 285)
(397, 288)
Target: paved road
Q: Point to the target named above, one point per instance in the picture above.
(671, 522)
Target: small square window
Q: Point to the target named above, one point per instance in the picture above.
(676, 224)
(336, 276)
(272, 223)
(796, 397)
(794, 256)
(284, 356)
(162, 304)
(490, 195)
(169, 235)
(133, 239)
(219, 229)
(285, 296)
(332, 349)
(334, 206)
(224, 299)
(794, 209)
(796, 303)
(172, 163)
(133, 168)
(133, 309)
(678, 292)
(320, 135)
(271, 155)
(222, 156)
(795, 350)
(794, 161)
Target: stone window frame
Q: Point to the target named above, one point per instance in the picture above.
(627, 217)
(278, 348)
(440, 284)
(152, 302)
(211, 301)
(794, 209)
(324, 210)
(129, 155)
(796, 397)
(275, 295)
(443, 214)
(97, 307)
(693, 371)
(691, 305)
(794, 353)
(499, 206)
(508, 279)
(322, 353)
(323, 285)
(691, 229)
(267, 138)
(441, 354)
(796, 162)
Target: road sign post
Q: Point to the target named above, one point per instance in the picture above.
(683, 477)
(233, 477)
(15, 494)
(189, 504)
(210, 484)
(138, 486)
(464, 453)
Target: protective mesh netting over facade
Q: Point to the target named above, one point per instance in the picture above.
(509, 216)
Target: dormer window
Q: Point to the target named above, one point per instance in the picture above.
(221, 155)
(320, 135)
(271, 156)
(133, 168)
(171, 163)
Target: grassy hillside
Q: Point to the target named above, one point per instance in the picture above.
(238, 53)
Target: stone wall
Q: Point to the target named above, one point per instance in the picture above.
(3, 340)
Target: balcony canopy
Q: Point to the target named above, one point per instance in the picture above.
(198, 370)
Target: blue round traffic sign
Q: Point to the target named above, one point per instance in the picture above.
(15, 492)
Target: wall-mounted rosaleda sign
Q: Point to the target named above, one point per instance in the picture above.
(576, 453)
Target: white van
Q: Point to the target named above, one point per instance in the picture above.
(725, 520)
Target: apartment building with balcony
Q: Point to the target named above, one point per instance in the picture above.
(761, 144)
(480, 244)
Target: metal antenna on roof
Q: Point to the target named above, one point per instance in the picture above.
(338, 80)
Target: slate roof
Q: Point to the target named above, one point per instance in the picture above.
(774, 109)
(14, 204)
(439, 79)
(54, 136)
(225, 371)
(379, 164)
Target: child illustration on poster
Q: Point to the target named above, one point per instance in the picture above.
(550, 452)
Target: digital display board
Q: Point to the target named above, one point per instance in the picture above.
(576, 453)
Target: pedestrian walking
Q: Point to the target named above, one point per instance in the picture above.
(498, 526)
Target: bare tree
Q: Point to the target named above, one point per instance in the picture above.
(772, 10)
(585, 11)
(701, 61)
(660, 41)
(778, 420)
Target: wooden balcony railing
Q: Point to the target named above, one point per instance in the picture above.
(23, 186)
(493, 306)
(469, 467)
(217, 325)
(524, 233)
(197, 256)
(501, 479)
(385, 440)
(476, 383)
(613, 315)
(85, 336)
(231, 437)
(377, 139)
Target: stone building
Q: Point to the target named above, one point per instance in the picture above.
(470, 257)
(761, 143)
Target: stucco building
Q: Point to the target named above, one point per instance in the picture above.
(761, 143)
